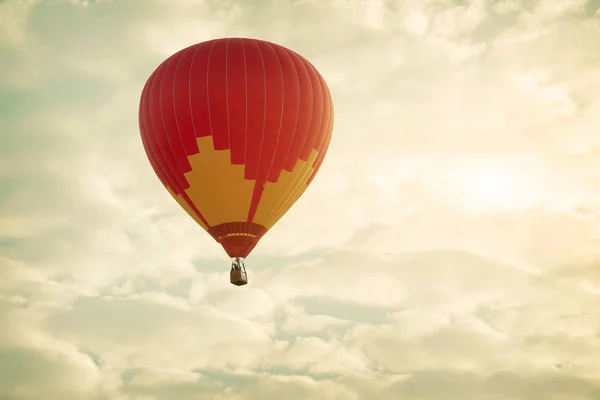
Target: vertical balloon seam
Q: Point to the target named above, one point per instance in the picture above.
(160, 139)
(327, 133)
(307, 120)
(300, 183)
(231, 228)
(169, 90)
(211, 202)
(262, 137)
(298, 178)
(261, 192)
(163, 68)
(314, 133)
(227, 100)
(147, 149)
(293, 184)
(323, 130)
(257, 181)
(255, 87)
(324, 127)
(280, 116)
(312, 115)
(291, 145)
(325, 147)
(162, 174)
(318, 133)
(245, 226)
(168, 138)
(238, 225)
(220, 229)
(248, 242)
(319, 160)
(153, 156)
(250, 216)
(325, 119)
(180, 93)
(152, 140)
(175, 115)
(154, 124)
(192, 187)
(150, 135)
(287, 154)
(245, 104)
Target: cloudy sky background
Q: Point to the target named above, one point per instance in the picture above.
(449, 248)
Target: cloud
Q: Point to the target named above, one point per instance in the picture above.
(447, 248)
(459, 318)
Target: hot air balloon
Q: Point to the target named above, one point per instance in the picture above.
(236, 130)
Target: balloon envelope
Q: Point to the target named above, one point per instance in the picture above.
(236, 129)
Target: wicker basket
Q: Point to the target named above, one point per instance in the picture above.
(238, 277)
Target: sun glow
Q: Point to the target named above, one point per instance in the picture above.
(485, 186)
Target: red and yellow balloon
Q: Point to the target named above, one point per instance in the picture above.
(236, 130)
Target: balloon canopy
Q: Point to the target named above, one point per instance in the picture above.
(236, 130)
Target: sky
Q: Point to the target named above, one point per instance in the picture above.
(448, 249)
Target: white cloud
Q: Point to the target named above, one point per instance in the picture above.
(298, 321)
